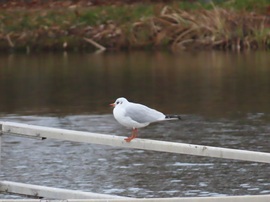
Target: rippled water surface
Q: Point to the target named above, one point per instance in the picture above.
(223, 99)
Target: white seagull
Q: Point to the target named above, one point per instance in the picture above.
(134, 115)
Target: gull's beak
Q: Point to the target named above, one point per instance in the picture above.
(112, 105)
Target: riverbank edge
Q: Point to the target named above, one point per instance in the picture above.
(133, 27)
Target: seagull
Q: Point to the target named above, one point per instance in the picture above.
(134, 116)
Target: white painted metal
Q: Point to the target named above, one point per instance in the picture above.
(0, 150)
(49, 192)
(251, 198)
(112, 140)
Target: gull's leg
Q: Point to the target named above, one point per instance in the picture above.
(134, 134)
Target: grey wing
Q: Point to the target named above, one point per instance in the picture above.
(143, 114)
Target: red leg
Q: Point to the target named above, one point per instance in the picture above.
(134, 134)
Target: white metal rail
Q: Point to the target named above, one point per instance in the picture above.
(112, 140)
(79, 196)
(51, 192)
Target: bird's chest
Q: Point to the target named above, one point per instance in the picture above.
(120, 116)
(119, 113)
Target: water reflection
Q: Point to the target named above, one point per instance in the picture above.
(209, 83)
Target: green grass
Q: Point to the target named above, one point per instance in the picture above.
(19, 20)
(119, 14)
(246, 5)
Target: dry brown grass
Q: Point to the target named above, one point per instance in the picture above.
(217, 28)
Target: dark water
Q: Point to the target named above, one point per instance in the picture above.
(223, 99)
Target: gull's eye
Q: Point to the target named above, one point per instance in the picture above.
(117, 102)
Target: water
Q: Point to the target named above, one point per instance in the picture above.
(222, 97)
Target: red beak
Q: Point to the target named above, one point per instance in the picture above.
(112, 105)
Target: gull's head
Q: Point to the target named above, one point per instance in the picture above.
(119, 101)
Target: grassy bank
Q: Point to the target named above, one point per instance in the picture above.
(229, 25)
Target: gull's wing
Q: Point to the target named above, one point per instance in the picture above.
(143, 114)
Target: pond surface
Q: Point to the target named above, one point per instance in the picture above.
(223, 99)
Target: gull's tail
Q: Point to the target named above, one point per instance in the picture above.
(172, 117)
